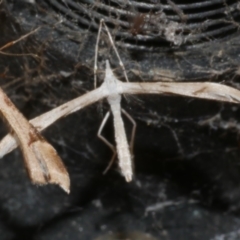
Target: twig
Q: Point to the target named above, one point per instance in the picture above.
(9, 44)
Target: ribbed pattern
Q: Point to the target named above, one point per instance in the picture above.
(145, 25)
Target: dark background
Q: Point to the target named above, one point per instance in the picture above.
(186, 152)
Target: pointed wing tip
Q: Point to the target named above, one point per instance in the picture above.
(62, 180)
(128, 177)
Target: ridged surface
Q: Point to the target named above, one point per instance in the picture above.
(145, 25)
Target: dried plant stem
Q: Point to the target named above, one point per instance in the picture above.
(9, 44)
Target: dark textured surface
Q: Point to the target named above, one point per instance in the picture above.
(186, 151)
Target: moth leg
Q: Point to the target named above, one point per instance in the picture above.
(96, 54)
(107, 142)
(133, 129)
(114, 48)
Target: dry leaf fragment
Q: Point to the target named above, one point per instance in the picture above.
(41, 159)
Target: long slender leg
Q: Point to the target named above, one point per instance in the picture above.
(96, 54)
(115, 49)
(107, 142)
(133, 129)
(110, 163)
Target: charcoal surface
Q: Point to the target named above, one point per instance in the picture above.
(186, 151)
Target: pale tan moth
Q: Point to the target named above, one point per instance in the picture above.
(122, 149)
